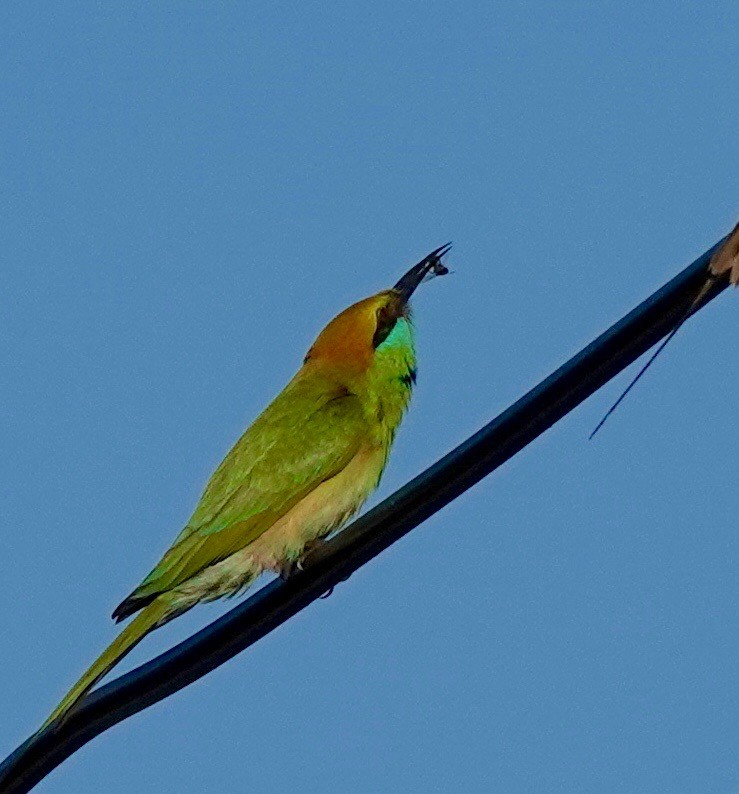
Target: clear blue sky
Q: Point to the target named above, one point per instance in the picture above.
(188, 192)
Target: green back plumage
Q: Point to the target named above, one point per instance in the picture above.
(307, 435)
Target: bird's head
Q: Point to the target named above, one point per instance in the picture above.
(353, 336)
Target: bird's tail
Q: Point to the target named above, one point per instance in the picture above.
(148, 619)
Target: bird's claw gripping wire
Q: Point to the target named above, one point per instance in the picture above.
(291, 568)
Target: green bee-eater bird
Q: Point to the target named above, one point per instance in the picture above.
(305, 466)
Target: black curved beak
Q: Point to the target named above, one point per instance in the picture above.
(429, 267)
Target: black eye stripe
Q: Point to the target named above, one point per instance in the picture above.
(386, 319)
(383, 331)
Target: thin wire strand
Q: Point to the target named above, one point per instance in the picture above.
(691, 309)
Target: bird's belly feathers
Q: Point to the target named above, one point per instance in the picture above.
(326, 508)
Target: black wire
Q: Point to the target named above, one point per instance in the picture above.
(366, 537)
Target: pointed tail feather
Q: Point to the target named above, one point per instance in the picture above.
(151, 617)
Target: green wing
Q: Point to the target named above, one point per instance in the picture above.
(307, 435)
